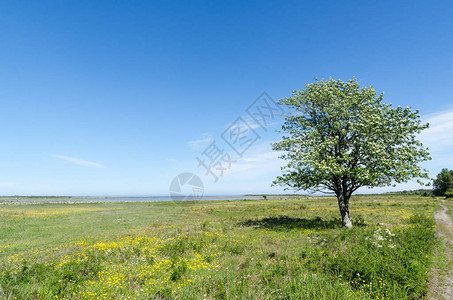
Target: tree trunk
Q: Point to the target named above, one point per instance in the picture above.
(343, 203)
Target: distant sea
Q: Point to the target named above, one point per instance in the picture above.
(123, 199)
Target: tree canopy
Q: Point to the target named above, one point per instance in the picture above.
(338, 137)
(443, 183)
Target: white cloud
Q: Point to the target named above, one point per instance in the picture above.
(439, 139)
(204, 141)
(439, 135)
(78, 161)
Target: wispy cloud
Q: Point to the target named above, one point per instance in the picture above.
(78, 161)
(439, 139)
(204, 141)
(439, 135)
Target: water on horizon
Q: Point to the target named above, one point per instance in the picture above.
(123, 199)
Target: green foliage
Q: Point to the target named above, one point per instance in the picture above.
(178, 269)
(449, 193)
(443, 183)
(388, 259)
(340, 137)
(285, 223)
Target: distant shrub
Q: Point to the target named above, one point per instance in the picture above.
(443, 183)
(449, 193)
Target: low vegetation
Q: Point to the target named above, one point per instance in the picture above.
(279, 248)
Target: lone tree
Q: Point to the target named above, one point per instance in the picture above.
(443, 184)
(339, 137)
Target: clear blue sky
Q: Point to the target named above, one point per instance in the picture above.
(118, 97)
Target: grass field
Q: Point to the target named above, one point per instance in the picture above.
(291, 248)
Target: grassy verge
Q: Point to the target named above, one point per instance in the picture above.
(273, 249)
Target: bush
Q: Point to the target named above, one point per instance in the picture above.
(449, 193)
(443, 183)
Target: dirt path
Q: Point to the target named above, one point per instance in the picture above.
(442, 281)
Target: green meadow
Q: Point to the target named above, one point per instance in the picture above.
(275, 248)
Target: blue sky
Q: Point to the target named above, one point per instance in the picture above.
(119, 97)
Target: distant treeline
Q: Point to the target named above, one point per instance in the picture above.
(422, 192)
